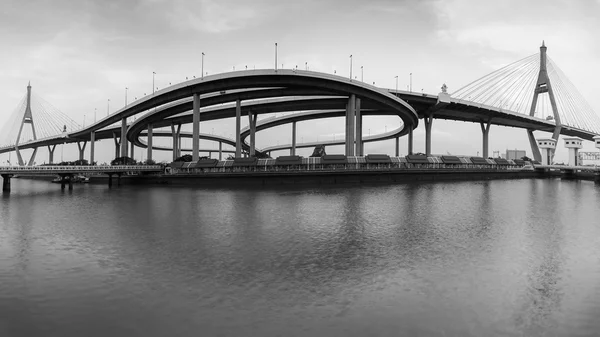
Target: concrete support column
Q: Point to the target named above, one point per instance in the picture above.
(51, 149)
(238, 121)
(149, 142)
(293, 150)
(485, 130)
(81, 149)
(428, 125)
(359, 143)
(252, 118)
(397, 146)
(350, 114)
(410, 141)
(175, 142)
(535, 150)
(220, 150)
(6, 182)
(179, 140)
(117, 146)
(124, 137)
(131, 150)
(92, 146)
(196, 128)
(110, 179)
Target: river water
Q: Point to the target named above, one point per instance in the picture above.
(493, 258)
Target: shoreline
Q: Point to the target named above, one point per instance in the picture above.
(316, 178)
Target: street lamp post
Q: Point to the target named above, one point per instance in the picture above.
(94, 115)
(276, 57)
(361, 74)
(107, 107)
(126, 88)
(305, 65)
(350, 67)
(410, 82)
(396, 77)
(153, 73)
(202, 75)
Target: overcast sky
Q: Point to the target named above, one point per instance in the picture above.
(79, 54)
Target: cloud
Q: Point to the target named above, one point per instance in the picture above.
(214, 17)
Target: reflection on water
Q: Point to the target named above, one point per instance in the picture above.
(493, 258)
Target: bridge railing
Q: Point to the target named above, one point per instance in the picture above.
(105, 168)
(346, 167)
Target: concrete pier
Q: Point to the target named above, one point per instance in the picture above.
(196, 128)
(238, 126)
(6, 182)
(123, 138)
(149, 142)
(485, 131)
(428, 125)
(359, 142)
(51, 149)
(92, 146)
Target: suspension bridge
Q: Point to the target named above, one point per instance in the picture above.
(531, 93)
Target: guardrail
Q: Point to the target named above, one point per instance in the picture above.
(566, 167)
(78, 169)
(349, 167)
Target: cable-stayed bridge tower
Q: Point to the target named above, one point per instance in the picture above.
(535, 87)
(34, 119)
(543, 86)
(27, 119)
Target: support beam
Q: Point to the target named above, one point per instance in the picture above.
(179, 140)
(252, 119)
(350, 115)
(485, 131)
(124, 137)
(149, 142)
(117, 146)
(535, 150)
(410, 141)
(31, 160)
(220, 150)
(175, 131)
(397, 146)
(293, 149)
(51, 149)
(19, 157)
(92, 146)
(359, 142)
(110, 179)
(238, 121)
(81, 149)
(196, 128)
(131, 150)
(428, 125)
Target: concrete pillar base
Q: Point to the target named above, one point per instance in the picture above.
(6, 182)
